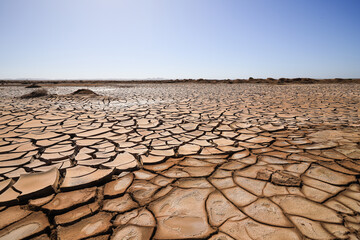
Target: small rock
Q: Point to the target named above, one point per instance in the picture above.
(264, 174)
(283, 178)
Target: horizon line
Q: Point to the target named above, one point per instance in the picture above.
(135, 79)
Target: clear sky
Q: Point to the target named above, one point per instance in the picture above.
(90, 39)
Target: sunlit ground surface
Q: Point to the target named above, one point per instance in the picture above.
(181, 161)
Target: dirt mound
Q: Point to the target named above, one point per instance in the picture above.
(33, 86)
(84, 92)
(36, 93)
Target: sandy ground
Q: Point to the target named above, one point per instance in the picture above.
(181, 161)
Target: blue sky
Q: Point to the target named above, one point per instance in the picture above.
(91, 39)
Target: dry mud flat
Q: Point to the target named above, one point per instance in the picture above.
(181, 161)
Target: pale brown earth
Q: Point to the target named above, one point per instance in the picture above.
(181, 161)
